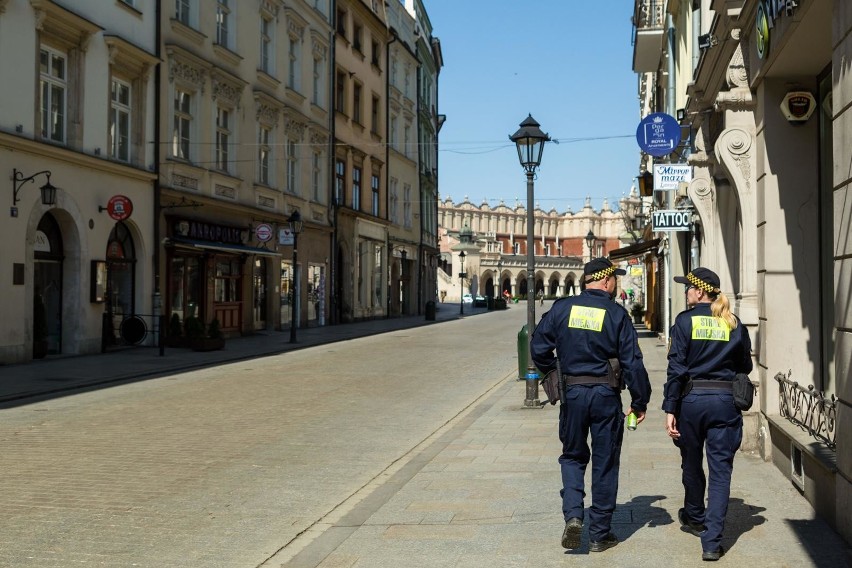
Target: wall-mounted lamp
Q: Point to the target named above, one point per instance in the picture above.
(48, 191)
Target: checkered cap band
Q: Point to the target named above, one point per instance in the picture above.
(701, 284)
(601, 273)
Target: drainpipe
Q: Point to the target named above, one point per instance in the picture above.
(670, 109)
(331, 285)
(157, 298)
(387, 166)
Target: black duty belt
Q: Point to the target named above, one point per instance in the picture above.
(705, 384)
(584, 380)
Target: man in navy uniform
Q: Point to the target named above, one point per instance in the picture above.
(587, 331)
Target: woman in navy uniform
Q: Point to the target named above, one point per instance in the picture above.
(709, 346)
(587, 331)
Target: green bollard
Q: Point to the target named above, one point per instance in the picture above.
(523, 346)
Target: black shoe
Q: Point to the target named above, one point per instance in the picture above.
(572, 532)
(713, 555)
(689, 526)
(608, 541)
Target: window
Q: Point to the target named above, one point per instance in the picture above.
(340, 92)
(293, 68)
(407, 88)
(54, 88)
(223, 138)
(516, 248)
(374, 115)
(406, 205)
(356, 103)
(406, 148)
(357, 32)
(316, 82)
(223, 23)
(292, 167)
(356, 188)
(119, 121)
(374, 184)
(376, 54)
(394, 201)
(227, 285)
(339, 181)
(266, 44)
(393, 67)
(264, 137)
(181, 134)
(316, 177)
(341, 23)
(392, 141)
(182, 11)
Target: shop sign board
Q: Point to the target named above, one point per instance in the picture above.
(658, 134)
(263, 232)
(285, 237)
(671, 219)
(119, 207)
(670, 176)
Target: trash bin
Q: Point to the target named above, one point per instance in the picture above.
(489, 301)
(430, 310)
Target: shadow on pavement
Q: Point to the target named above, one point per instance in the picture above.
(741, 518)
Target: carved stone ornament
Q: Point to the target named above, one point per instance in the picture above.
(295, 28)
(318, 139)
(185, 72)
(227, 91)
(739, 95)
(293, 128)
(319, 50)
(267, 114)
(736, 143)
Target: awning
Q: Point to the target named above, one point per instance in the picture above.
(634, 250)
(222, 247)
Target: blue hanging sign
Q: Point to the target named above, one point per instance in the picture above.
(658, 134)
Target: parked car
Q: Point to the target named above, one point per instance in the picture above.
(467, 299)
(480, 301)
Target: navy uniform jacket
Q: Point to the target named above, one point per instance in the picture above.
(586, 331)
(702, 347)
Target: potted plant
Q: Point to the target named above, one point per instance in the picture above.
(174, 337)
(212, 340)
(39, 327)
(637, 310)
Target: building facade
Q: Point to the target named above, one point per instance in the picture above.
(184, 136)
(494, 240)
(77, 112)
(764, 88)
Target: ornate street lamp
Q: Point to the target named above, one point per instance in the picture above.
(590, 241)
(48, 191)
(499, 282)
(295, 225)
(530, 140)
(461, 283)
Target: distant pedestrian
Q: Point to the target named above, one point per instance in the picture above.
(709, 346)
(587, 331)
(623, 297)
(540, 298)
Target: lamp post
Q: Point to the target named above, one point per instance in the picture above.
(295, 221)
(461, 283)
(499, 282)
(530, 140)
(590, 241)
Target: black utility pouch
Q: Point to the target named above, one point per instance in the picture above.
(552, 385)
(743, 390)
(616, 380)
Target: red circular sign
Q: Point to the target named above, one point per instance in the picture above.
(263, 232)
(119, 207)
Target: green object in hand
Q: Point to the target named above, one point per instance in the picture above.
(632, 421)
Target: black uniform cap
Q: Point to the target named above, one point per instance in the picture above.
(702, 278)
(599, 268)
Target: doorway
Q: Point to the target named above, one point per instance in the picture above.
(259, 292)
(47, 286)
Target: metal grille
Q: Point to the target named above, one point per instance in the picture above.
(808, 408)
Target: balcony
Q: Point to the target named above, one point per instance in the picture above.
(649, 33)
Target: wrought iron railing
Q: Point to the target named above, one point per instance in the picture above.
(808, 408)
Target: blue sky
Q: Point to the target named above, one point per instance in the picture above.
(566, 62)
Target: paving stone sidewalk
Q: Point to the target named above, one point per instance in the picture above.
(486, 493)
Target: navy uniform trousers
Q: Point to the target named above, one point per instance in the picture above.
(596, 409)
(708, 418)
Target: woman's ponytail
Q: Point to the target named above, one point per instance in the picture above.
(721, 308)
